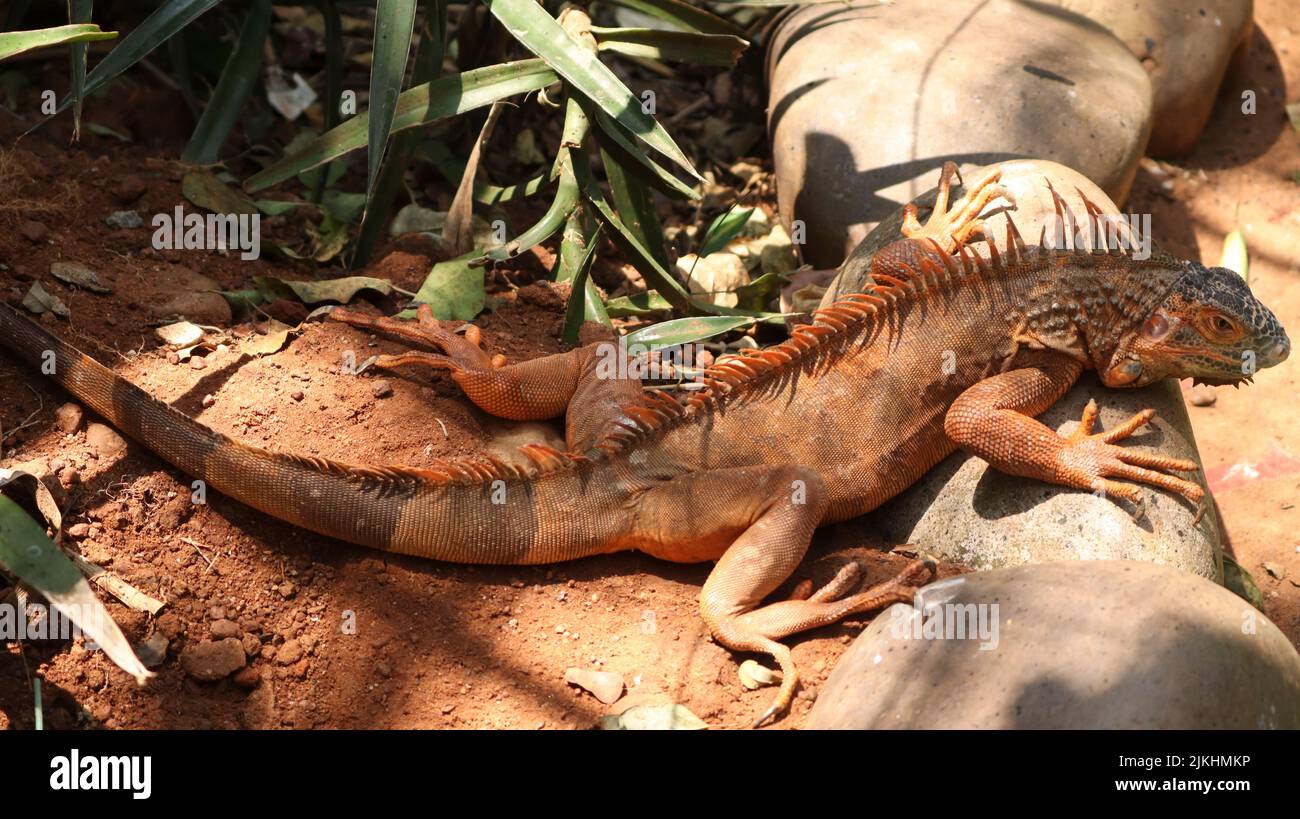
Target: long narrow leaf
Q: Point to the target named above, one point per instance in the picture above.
(155, 30)
(577, 252)
(421, 105)
(687, 330)
(614, 138)
(333, 62)
(237, 78)
(29, 554)
(721, 50)
(79, 11)
(428, 65)
(725, 228)
(635, 206)
(683, 15)
(529, 23)
(640, 257)
(180, 61)
(394, 22)
(16, 42)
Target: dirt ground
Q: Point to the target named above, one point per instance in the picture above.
(447, 646)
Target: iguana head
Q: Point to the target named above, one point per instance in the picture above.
(1209, 328)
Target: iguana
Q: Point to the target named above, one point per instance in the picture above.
(848, 412)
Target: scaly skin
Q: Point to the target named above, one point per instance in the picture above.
(949, 350)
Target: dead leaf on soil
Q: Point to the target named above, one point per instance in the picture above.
(80, 276)
(203, 189)
(337, 290)
(277, 333)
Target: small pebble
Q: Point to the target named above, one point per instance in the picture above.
(124, 220)
(1202, 395)
(34, 231)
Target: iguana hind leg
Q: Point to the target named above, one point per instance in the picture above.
(759, 522)
(568, 383)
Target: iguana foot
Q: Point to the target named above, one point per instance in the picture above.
(456, 353)
(760, 629)
(848, 577)
(953, 227)
(1090, 461)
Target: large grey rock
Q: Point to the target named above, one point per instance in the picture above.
(867, 102)
(966, 512)
(1185, 48)
(1114, 644)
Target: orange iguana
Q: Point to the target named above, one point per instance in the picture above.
(719, 476)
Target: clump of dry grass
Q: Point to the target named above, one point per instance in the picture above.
(25, 196)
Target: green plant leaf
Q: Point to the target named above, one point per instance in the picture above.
(614, 138)
(428, 65)
(683, 15)
(687, 330)
(722, 50)
(333, 62)
(342, 290)
(453, 289)
(452, 169)
(756, 294)
(421, 105)
(394, 23)
(16, 42)
(577, 252)
(79, 12)
(641, 258)
(635, 206)
(153, 31)
(725, 228)
(529, 23)
(637, 304)
(237, 79)
(28, 553)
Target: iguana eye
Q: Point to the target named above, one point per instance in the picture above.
(1219, 327)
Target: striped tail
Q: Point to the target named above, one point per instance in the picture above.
(463, 510)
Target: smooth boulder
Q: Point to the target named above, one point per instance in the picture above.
(1185, 48)
(1113, 644)
(867, 102)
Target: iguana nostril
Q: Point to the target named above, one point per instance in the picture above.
(1280, 350)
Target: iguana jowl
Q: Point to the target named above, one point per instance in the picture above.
(847, 413)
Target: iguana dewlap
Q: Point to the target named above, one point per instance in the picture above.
(948, 350)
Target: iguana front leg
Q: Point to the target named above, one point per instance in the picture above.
(994, 420)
